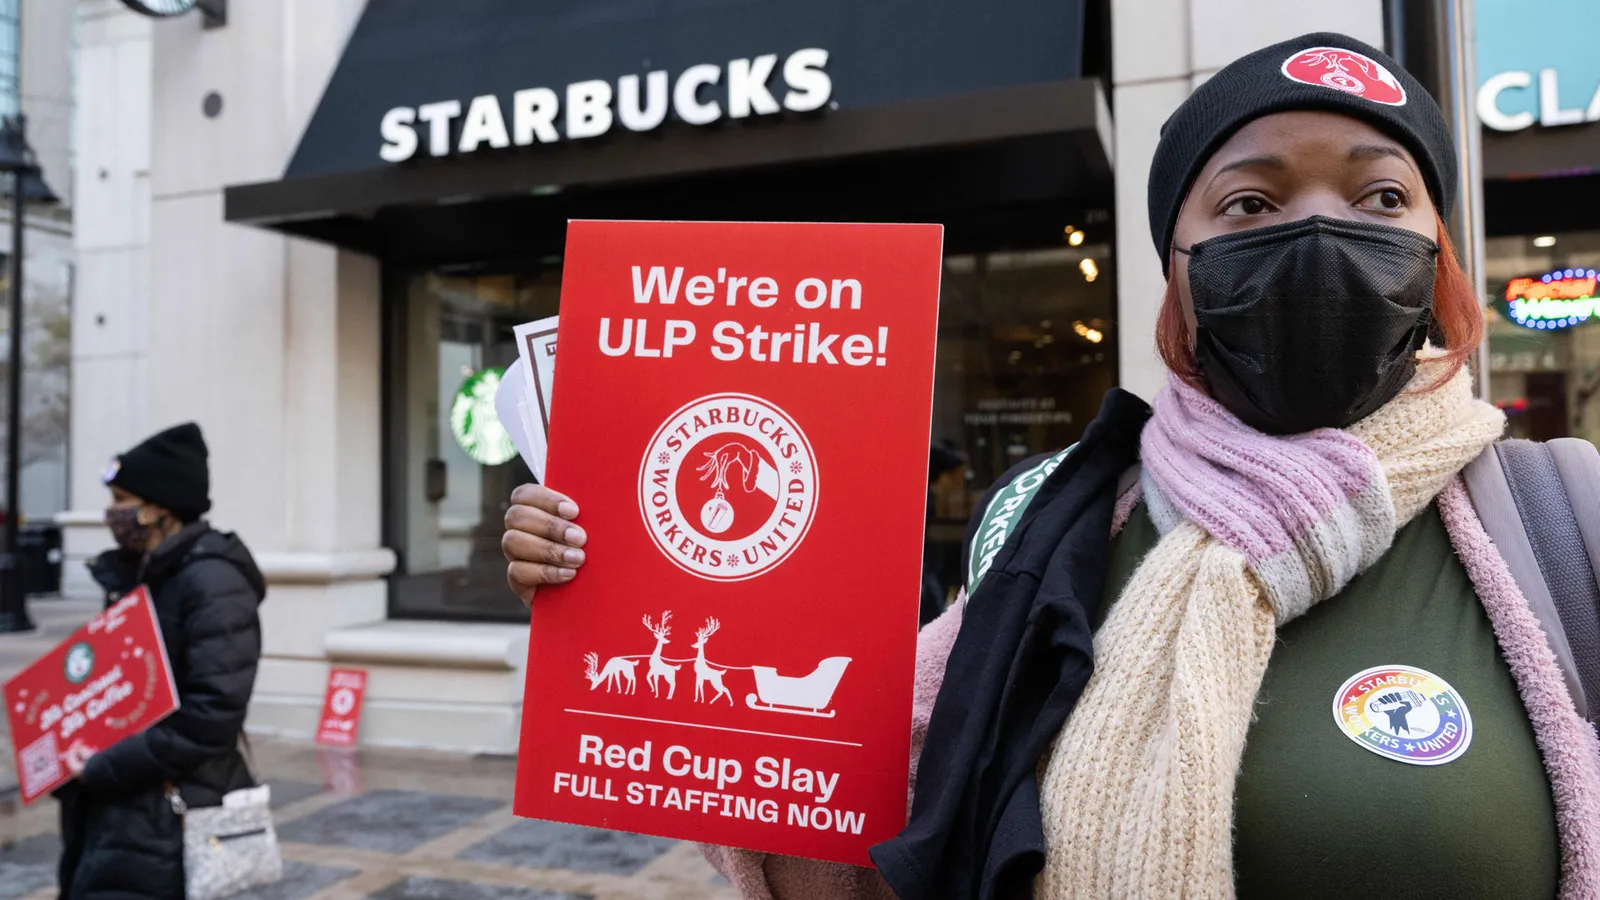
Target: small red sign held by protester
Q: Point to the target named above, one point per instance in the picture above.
(742, 415)
(106, 681)
(341, 707)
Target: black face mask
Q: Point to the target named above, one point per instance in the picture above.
(1310, 324)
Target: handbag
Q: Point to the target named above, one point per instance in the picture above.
(232, 847)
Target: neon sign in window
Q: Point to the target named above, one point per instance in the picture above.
(1560, 299)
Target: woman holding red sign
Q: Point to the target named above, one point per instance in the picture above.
(1302, 629)
(121, 821)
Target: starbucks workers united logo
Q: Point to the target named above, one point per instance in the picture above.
(728, 486)
(1404, 713)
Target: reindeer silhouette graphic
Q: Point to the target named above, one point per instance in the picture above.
(800, 695)
(617, 671)
(703, 671)
(660, 668)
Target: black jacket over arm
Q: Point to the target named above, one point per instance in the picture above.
(1019, 664)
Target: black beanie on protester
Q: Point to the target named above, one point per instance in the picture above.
(1322, 71)
(168, 470)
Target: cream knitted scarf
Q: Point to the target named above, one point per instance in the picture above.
(1137, 794)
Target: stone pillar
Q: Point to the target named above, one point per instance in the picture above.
(271, 343)
(110, 309)
(328, 574)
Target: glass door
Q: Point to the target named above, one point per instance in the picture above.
(452, 466)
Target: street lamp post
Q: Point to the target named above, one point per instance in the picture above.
(17, 158)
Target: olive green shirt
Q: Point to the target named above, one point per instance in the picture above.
(1320, 816)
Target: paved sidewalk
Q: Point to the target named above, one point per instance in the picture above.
(410, 825)
(385, 824)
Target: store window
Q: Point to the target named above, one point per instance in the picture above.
(1026, 351)
(10, 61)
(1544, 334)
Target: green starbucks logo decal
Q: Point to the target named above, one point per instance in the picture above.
(80, 662)
(475, 424)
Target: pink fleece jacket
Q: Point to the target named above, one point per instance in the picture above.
(1568, 745)
(763, 876)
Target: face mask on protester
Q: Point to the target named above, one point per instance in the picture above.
(1310, 324)
(126, 529)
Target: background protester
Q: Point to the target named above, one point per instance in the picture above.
(1135, 698)
(947, 476)
(121, 836)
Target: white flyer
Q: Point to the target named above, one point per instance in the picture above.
(536, 440)
(509, 401)
(536, 353)
(536, 345)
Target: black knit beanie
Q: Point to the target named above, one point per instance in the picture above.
(1321, 71)
(168, 470)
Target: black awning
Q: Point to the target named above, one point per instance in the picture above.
(1539, 151)
(494, 102)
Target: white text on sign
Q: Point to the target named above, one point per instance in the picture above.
(805, 344)
(814, 787)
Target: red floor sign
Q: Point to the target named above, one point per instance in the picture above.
(341, 707)
(742, 416)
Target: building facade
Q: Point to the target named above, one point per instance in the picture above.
(1539, 100)
(315, 223)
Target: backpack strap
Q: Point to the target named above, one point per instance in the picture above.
(1528, 511)
(1577, 463)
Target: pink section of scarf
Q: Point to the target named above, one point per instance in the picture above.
(1567, 743)
(1214, 470)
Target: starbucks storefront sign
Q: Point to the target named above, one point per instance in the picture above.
(698, 95)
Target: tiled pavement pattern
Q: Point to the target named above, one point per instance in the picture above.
(401, 825)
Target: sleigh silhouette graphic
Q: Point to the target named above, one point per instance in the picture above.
(807, 695)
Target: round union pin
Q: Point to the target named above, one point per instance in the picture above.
(1404, 713)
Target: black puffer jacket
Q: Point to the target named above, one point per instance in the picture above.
(120, 838)
(117, 573)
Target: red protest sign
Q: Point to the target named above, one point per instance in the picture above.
(341, 707)
(106, 681)
(742, 416)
